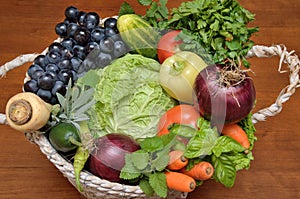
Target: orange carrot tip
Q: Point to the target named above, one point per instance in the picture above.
(237, 133)
(201, 171)
(177, 160)
(180, 182)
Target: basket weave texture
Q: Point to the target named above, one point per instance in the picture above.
(94, 187)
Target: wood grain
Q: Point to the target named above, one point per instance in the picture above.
(28, 26)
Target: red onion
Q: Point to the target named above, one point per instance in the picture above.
(108, 157)
(223, 95)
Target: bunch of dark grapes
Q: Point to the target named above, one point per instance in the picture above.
(85, 45)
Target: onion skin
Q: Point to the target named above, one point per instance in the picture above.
(108, 157)
(219, 103)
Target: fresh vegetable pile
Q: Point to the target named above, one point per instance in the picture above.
(162, 100)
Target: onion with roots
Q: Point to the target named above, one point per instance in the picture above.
(224, 94)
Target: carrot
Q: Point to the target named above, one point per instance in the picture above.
(180, 182)
(237, 133)
(177, 161)
(201, 171)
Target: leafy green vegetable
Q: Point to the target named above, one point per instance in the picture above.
(241, 160)
(226, 144)
(215, 29)
(159, 184)
(248, 126)
(217, 25)
(125, 9)
(226, 155)
(203, 142)
(225, 171)
(129, 98)
(148, 164)
(157, 13)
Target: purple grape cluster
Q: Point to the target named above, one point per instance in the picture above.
(85, 45)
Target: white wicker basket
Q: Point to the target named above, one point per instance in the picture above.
(94, 187)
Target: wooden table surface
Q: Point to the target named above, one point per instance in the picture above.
(27, 26)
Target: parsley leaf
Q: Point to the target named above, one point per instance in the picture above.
(125, 9)
(145, 2)
(208, 20)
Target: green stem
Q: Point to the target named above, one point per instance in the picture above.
(177, 68)
(74, 141)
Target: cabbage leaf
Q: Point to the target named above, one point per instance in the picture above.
(129, 98)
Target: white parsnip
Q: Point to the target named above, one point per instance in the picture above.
(27, 112)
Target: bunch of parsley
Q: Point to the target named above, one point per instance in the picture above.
(214, 29)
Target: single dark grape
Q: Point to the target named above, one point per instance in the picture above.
(88, 63)
(79, 51)
(53, 57)
(107, 45)
(53, 74)
(71, 29)
(82, 36)
(66, 21)
(61, 29)
(80, 18)
(55, 46)
(64, 64)
(91, 20)
(103, 60)
(71, 13)
(76, 63)
(34, 71)
(45, 95)
(65, 75)
(97, 34)
(111, 23)
(92, 49)
(41, 61)
(46, 81)
(74, 76)
(68, 43)
(109, 32)
(31, 86)
(52, 67)
(120, 49)
(59, 87)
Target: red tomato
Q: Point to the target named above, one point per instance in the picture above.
(180, 114)
(167, 45)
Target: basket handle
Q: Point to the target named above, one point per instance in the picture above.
(289, 58)
(293, 64)
(16, 62)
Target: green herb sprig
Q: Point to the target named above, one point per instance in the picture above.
(217, 25)
(147, 165)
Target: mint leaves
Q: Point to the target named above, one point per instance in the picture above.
(148, 164)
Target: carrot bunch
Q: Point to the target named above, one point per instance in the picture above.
(183, 180)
